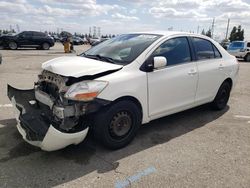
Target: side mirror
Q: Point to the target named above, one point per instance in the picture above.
(160, 62)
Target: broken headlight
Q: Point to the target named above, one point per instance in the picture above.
(86, 90)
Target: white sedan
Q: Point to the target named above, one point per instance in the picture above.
(124, 82)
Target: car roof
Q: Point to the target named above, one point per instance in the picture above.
(171, 33)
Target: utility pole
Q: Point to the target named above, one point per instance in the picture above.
(198, 29)
(212, 34)
(228, 21)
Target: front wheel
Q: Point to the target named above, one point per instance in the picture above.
(116, 126)
(247, 58)
(222, 97)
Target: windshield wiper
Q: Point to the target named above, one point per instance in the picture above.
(102, 58)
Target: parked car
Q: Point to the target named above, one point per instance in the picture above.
(240, 49)
(120, 84)
(93, 40)
(28, 39)
(56, 38)
(79, 40)
(225, 45)
(99, 41)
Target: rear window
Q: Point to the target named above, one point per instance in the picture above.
(39, 34)
(236, 45)
(203, 48)
(216, 52)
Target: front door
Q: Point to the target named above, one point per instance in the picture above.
(25, 38)
(173, 88)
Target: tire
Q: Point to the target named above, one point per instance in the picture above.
(45, 46)
(12, 45)
(116, 126)
(247, 57)
(222, 96)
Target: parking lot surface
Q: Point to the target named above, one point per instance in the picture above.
(195, 148)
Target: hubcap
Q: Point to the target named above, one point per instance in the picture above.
(223, 97)
(12, 45)
(45, 46)
(120, 124)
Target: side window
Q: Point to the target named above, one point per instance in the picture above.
(38, 34)
(175, 50)
(216, 52)
(248, 44)
(27, 34)
(203, 48)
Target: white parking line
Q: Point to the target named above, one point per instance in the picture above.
(240, 116)
(6, 105)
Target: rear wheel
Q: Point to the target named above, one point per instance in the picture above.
(222, 96)
(247, 58)
(13, 45)
(45, 46)
(116, 126)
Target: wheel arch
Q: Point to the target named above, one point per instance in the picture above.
(230, 81)
(133, 99)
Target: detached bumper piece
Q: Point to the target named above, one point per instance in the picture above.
(35, 122)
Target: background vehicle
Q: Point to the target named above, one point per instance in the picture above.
(1, 59)
(240, 49)
(79, 40)
(120, 84)
(225, 45)
(56, 38)
(99, 41)
(93, 40)
(29, 39)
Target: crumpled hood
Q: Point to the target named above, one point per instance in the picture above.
(76, 66)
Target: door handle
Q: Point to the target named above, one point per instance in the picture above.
(192, 72)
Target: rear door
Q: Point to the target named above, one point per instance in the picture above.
(172, 89)
(38, 38)
(210, 67)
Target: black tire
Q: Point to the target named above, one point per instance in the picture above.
(123, 116)
(12, 45)
(222, 96)
(247, 57)
(45, 46)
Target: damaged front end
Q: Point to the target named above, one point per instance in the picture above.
(45, 118)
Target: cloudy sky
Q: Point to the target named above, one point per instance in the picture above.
(122, 16)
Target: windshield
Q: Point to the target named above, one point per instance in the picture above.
(236, 45)
(122, 49)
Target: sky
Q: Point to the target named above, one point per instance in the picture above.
(121, 16)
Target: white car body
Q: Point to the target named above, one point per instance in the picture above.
(159, 93)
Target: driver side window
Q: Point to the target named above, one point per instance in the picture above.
(175, 50)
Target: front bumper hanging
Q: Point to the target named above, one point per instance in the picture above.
(34, 122)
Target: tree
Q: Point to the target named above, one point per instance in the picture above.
(209, 33)
(203, 32)
(237, 34)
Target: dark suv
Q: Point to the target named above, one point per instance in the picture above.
(38, 40)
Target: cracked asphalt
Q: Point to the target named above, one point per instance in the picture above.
(195, 148)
